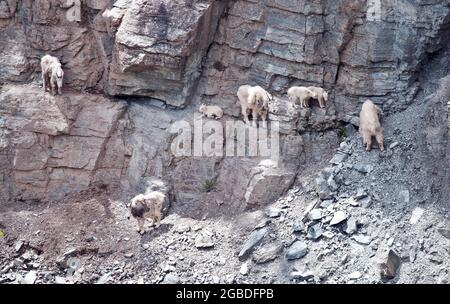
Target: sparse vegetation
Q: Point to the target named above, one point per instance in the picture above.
(209, 185)
(341, 135)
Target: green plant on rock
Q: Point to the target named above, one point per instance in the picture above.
(209, 185)
(341, 135)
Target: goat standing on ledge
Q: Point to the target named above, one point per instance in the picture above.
(52, 74)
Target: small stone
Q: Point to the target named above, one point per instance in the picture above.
(435, 259)
(322, 189)
(339, 158)
(326, 203)
(355, 275)
(222, 261)
(60, 280)
(315, 215)
(328, 234)
(6, 269)
(366, 202)
(332, 183)
(253, 240)
(390, 241)
(344, 259)
(266, 254)
(421, 245)
(363, 168)
(104, 278)
(18, 246)
(338, 218)
(344, 148)
(30, 277)
(167, 267)
(297, 250)
(18, 263)
(171, 278)
(416, 215)
(129, 255)
(302, 275)
(273, 212)
(362, 239)
(204, 241)
(73, 264)
(197, 227)
(314, 232)
(62, 261)
(388, 263)
(349, 130)
(353, 202)
(298, 226)
(183, 228)
(244, 269)
(361, 193)
(412, 253)
(351, 226)
(403, 197)
(70, 239)
(294, 190)
(90, 239)
(70, 252)
(29, 255)
(216, 280)
(393, 145)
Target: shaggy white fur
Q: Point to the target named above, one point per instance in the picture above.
(52, 74)
(302, 93)
(369, 125)
(254, 101)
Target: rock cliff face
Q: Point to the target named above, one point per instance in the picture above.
(159, 48)
(134, 67)
(57, 145)
(356, 49)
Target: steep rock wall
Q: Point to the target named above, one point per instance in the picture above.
(356, 49)
(165, 57)
(52, 146)
(159, 48)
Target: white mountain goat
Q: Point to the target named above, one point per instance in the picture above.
(302, 93)
(52, 74)
(254, 101)
(369, 125)
(148, 207)
(211, 111)
(322, 95)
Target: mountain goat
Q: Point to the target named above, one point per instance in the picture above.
(302, 93)
(369, 125)
(148, 207)
(211, 111)
(322, 95)
(52, 74)
(254, 101)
